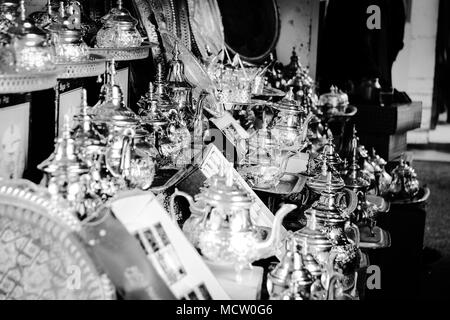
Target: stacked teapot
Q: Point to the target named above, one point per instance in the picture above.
(329, 230)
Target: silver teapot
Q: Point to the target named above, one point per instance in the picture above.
(224, 231)
(382, 178)
(289, 126)
(119, 29)
(405, 184)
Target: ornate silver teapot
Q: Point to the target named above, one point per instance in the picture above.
(334, 101)
(67, 38)
(321, 182)
(119, 29)
(383, 179)
(289, 126)
(179, 86)
(222, 226)
(31, 45)
(67, 177)
(330, 216)
(265, 163)
(405, 184)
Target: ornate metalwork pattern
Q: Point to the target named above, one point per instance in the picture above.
(40, 257)
(207, 28)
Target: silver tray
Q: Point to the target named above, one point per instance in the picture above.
(289, 184)
(42, 257)
(93, 66)
(381, 240)
(270, 92)
(125, 54)
(28, 81)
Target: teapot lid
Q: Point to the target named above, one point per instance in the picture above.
(355, 178)
(86, 136)
(322, 181)
(311, 237)
(114, 111)
(25, 28)
(222, 191)
(329, 153)
(326, 207)
(335, 97)
(288, 103)
(119, 16)
(64, 159)
(176, 77)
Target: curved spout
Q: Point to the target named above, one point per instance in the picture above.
(304, 132)
(331, 292)
(264, 246)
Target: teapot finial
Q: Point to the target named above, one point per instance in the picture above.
(151, 91)
(176, 52)
(62, 10)
(66, 127)
(23, 13)
(49, 8)
(112, 72)
(324, 168)
(119, 4)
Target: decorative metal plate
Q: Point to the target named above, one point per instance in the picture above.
(206, 24)
(125, 54)
(93, 66)
(40, 257)
(28, 82)
(194, 70)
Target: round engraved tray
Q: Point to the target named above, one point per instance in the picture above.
(41, 257)
(27, 81)
(93, 66)
(125, 54)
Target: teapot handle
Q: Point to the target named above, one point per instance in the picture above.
(352, 203)
(172, 202)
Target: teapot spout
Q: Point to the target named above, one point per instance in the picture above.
(304, 131)
(269, 244)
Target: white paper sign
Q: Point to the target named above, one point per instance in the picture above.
(298, 163)
(14, 130)
(176, 260)
(233, 131)
(69, 104)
